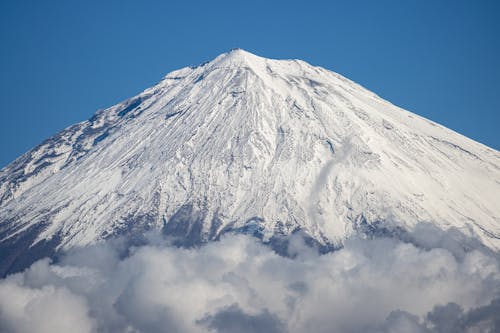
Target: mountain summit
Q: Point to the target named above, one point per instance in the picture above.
(247, 144)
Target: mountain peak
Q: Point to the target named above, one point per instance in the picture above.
(239, 52)
(237, 58)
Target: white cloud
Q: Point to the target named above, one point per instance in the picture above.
(46, 309)
(237, 284)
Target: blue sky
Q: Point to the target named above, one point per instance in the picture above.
(61, 60)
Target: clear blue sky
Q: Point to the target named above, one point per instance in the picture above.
(61, 60)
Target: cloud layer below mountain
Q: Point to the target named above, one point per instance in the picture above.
(240, 285)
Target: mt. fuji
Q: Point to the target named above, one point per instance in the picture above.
(245, 144)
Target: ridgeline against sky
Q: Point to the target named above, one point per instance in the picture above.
(63, 60)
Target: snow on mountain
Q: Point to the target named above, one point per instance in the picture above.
(247, 144)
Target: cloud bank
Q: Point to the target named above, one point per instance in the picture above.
(240, 285)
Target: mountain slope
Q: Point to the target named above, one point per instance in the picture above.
(248, 144)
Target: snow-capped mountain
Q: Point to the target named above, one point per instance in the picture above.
(246, 144)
